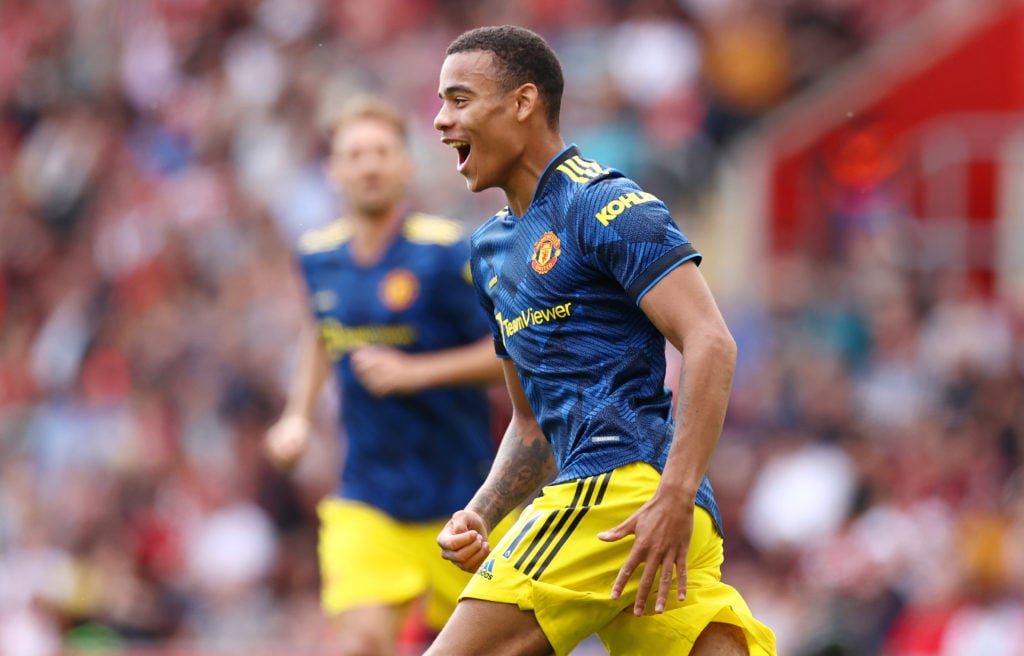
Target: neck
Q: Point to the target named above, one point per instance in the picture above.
(372, 234)
(522, 184)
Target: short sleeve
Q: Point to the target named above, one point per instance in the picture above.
(309, 272)
(631, 234)
(461, 297)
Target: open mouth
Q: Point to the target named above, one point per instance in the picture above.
(462, 148)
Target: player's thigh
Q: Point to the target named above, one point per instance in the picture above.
(487, 627)
(368, 630)
(720, 639)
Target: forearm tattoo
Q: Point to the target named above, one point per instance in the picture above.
(520, 467)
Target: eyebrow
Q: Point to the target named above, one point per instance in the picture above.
(455, 88)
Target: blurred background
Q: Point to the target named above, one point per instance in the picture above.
(853, 171)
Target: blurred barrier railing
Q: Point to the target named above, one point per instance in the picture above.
(935, 113)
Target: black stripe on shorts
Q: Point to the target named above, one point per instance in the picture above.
(564, 528)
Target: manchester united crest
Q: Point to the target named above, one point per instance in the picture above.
(399, 289)
(546, 252)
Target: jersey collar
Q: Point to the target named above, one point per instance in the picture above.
(570, 151)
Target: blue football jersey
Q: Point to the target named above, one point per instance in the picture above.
(421, 456)
(562, 284)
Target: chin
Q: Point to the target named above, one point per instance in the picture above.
(476, 184)
(376, 208)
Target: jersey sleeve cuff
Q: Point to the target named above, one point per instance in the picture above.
(660, 268)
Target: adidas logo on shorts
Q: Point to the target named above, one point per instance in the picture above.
(487, 570)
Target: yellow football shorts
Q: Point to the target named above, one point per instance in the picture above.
(368, 558)
(552, 562)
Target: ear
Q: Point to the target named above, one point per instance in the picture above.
(528, 101)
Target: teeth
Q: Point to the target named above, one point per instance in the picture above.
(458, 144)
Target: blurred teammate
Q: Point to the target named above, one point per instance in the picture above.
(584, 275)
(397, 320)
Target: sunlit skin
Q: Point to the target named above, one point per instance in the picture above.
(502, 136)
(371, 165)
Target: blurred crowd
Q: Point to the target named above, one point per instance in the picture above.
(158, 159)
(871, 465)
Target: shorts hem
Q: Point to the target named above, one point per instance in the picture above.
(513, 599)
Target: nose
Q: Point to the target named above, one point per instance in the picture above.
(442, 121)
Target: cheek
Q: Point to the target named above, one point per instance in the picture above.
(336, 174)
(345, 179)
(501, 149)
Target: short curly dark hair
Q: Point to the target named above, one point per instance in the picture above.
(525, 57)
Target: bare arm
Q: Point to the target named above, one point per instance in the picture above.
(384, 370)
(311, 371)
(705, 381)
(682, 308)
(524, 462)
(286, 440)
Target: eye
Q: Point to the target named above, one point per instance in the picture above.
(459, 101)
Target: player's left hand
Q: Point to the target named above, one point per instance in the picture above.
(384, 371)
(663, 527)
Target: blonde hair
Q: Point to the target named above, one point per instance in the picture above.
(373, 108)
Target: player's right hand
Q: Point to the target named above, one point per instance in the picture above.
(286, 440)
(464, 540)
